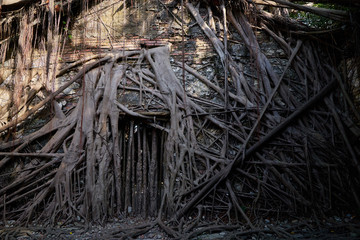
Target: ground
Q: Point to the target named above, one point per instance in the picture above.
(347, 227)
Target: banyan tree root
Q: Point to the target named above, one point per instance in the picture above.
(98, 165)
(269, 146)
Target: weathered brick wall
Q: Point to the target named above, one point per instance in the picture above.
(107, 26)
(152, 26)
(149, 24)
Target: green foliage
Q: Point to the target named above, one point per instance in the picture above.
(326, 5)
(313, 20)
(317, 21)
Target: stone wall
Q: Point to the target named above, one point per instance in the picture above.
(109, 26)
(149, 24)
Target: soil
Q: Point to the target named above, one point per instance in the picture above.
(347, 227)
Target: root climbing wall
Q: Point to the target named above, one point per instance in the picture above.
(136, 138)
